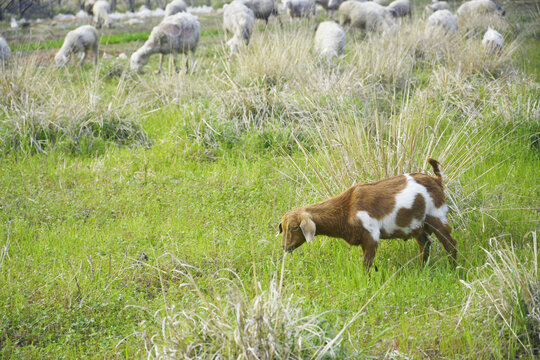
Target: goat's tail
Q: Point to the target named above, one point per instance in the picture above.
(435, 164)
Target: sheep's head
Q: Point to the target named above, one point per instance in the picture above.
(137, 61)
(500, 10)
(328, 54)
(61, 59)
(297, 228)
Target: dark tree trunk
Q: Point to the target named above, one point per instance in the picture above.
(148, 4)
(113, 5)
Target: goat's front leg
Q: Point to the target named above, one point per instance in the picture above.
(369, 246)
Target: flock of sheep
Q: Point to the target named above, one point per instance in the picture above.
(179, 31)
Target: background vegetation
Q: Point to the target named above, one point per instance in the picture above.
(138, 212)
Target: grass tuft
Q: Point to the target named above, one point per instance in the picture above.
(235, 323)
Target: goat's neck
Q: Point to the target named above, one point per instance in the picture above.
(331, 217)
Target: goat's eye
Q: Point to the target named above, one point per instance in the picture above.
(296, 228)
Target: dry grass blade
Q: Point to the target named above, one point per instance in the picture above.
(226, 323)
(507, 292)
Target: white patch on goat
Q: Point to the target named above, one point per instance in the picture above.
(370, 224)
(404, 199)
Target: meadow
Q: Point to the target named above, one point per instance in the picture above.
(138, 212)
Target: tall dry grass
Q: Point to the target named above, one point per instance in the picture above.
(42, 106)
(505, 294)
(226, 322)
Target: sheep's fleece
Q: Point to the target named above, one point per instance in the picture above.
(179, 33)
(174, 7)
(436, 6)
(493, 41)
(300, 8)
(441, 23)
(5, 51)
(262, 9)
(329, 39)
(371, 16)
(238, 19)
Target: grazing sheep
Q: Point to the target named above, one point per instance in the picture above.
(344, 11)
(79, 41)
(331, 5)
(436, 6)
(5, 52)
(405, 206)
(329, 39)
(472, 9)
(179, 33)
(101, 13)
(400, 8)
(493, 41)
(300, 8)
(238, 19)
(371, 16)
(175, 7)
(441, 23)
(262, 9)
(88, 6)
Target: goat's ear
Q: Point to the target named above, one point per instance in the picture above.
(308, 228)
(280, 229)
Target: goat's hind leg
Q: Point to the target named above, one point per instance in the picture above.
(424, 244)
(442, 232)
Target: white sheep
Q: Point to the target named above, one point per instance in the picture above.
(262, 9)
(5, 52)
(174, 7)
(436, 6)
(400, 8)
(344, 11)
(101, 13)
(472, 9)
(88, 6)
(330, 5)
(238, 19)
(372, 17)
(441, 23)
(300, 8)
(329, 39)
(79, 41)
(493, 41)
(179, 33)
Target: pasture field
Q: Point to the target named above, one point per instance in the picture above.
(138, 212)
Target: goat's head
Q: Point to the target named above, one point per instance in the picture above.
(297, 227)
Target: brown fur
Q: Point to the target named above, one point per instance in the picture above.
(338, 216)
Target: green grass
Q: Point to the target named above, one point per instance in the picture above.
(104, 40)
(93, 228)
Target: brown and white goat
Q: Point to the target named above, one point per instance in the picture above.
(404, 206)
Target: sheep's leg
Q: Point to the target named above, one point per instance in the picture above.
(442, 232)
(160, 63)
(82, 55)
(96, 52)
(192, 60)
(424, 244)
(175, 61)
